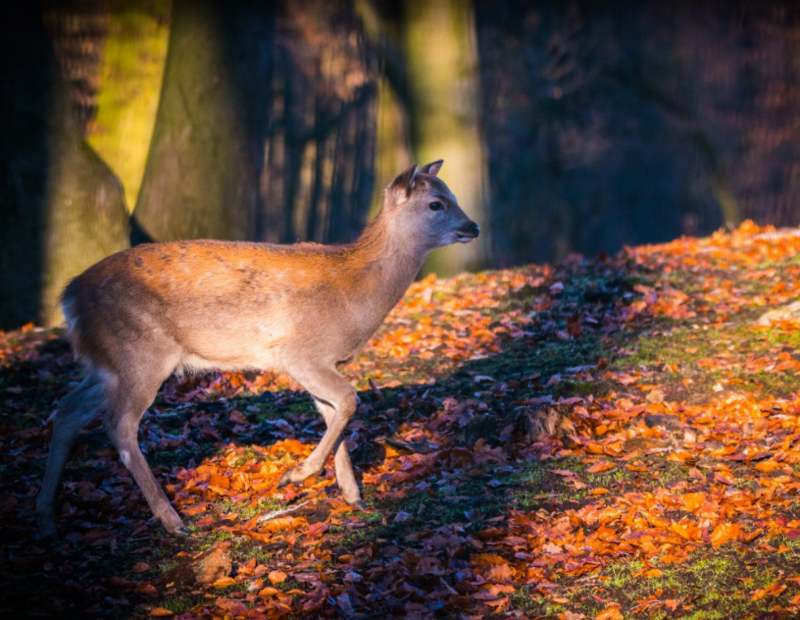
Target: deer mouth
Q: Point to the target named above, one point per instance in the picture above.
(468, 233)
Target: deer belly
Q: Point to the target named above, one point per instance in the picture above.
(232, 349)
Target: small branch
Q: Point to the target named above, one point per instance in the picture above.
(274, 514)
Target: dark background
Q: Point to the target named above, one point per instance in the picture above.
(565, 126)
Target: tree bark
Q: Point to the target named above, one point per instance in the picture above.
(62, 208)
(444, 92)
(202, 173)
(130, 76)
(319, 175)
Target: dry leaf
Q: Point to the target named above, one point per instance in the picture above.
(610, 613)
(724, 533)
(277, 576)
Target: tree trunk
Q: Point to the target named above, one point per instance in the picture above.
(62, 208)
(444, 93)
(319, 174)
(202, 173)
(130, 75)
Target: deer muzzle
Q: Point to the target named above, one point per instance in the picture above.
(468, 232)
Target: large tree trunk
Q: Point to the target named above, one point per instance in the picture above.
(318, 176)
(61, 208)
(202, 174)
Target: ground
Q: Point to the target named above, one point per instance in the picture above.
(614, 437)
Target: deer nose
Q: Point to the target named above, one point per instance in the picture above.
(471, 229)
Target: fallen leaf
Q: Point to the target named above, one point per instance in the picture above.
(277, 576)
(610, 613)
(724, 533)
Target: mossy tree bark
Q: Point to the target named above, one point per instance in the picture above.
(62, 207)
(132, 67)
(202, 173)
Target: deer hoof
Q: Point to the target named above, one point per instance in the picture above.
(357, 504)
(286, 479)
(47, 529)
(173, 524)
(296, 475)
(50, 537)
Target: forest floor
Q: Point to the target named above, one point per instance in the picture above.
(600, 439)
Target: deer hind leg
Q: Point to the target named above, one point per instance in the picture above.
(74, 412)
(128, 403)
(336, 400)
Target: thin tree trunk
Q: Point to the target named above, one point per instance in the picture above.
(319, 163)
(444, 93)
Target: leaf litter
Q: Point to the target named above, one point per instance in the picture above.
(669, 490)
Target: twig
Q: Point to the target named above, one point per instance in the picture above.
(274, 514)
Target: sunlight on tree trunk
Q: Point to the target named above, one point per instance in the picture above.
(63, 208)
(393, 152)
(85, 217)
(129, 87)
(444, 94)
(202, 174)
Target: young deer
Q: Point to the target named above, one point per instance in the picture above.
(303, 309)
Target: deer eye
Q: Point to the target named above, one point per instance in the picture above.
(436, 206)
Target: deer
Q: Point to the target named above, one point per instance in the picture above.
(304, 310)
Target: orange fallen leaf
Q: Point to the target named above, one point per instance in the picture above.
(161, 612)
(648, 572)
(767, 466)
(281, 523)
(500, 603)
(223, 582)
(600, 467)
(680, 529)
(693, 501)
(277, 576)
(773, 589)
(723, 533)
(610, 613)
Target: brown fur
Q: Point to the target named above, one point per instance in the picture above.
(137, 316)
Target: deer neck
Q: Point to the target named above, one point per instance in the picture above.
(386, 264)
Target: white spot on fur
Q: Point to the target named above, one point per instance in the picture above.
(125, 457)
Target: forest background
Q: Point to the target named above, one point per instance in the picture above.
(565, 126)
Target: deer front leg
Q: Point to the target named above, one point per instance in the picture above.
(345, 476)
(336, 400)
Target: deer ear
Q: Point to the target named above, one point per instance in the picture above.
(405, 181)
(432, 168)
